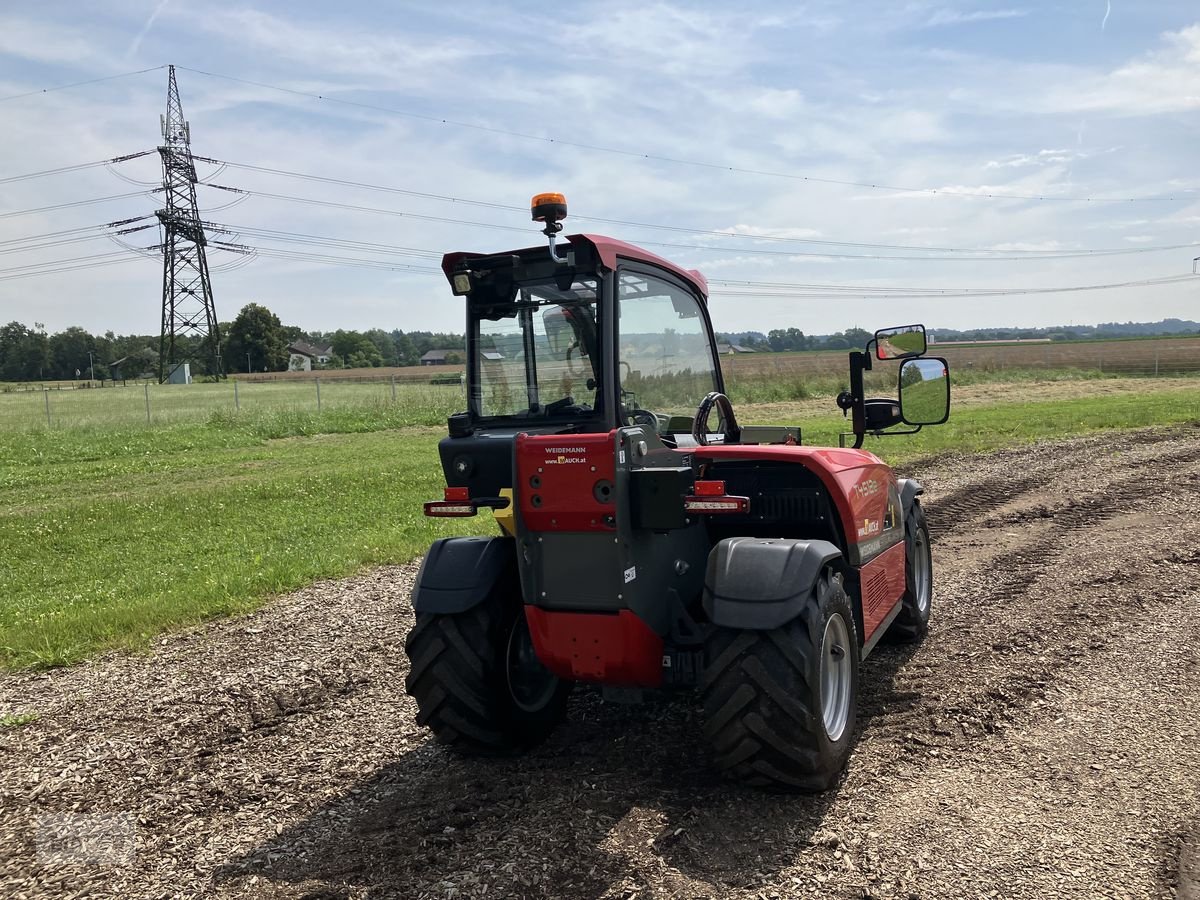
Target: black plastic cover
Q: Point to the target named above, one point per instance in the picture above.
(459, 573)
(762, 583)
(658, 497)
(910, 488)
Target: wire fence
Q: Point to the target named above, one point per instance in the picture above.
(130, 403)
(85, 404)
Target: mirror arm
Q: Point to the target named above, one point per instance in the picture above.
(860, 361)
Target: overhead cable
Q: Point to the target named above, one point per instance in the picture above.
(75, 84)
(949, 192)
(1033, 255)
(29, 212)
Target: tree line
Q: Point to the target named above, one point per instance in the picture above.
(256, 341)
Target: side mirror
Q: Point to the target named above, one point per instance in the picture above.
(924, 391)
(903, 342)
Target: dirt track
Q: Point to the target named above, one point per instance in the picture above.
(1043, 741)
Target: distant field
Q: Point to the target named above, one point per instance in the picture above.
(1159, 356)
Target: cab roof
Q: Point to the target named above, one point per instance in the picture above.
(607, 250)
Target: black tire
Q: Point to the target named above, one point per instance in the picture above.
(912, 623)
(468, 689)
(762, 697)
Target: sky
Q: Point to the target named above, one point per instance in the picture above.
(875, 163)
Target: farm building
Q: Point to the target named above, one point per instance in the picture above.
(302, 355)
(725, 349)
(435, 357)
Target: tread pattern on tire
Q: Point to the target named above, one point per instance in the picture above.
(910, 626)
(761, 695)
(450, 658)
(458, 675)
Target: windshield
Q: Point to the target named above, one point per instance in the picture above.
(537, 355)
(666, 362)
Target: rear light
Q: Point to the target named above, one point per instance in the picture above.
(456, 502)
(710, 488)
(712, 505)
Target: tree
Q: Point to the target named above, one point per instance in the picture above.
(406, 350)
(781, 339)
(857, 337)
(24, 352)
(384, 344)
(69, 352)
(256, 331)
(355, 350)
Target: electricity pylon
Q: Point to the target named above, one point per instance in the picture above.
(189, 321)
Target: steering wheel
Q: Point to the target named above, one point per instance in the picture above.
(644, 417)
(726, 419)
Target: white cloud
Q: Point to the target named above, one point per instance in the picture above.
(942, 17)
(1163, 81)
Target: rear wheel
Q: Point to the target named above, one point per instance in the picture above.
(913, 621)
(781, 705)
(478, 683)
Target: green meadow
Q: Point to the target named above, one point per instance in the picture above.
(113, 530)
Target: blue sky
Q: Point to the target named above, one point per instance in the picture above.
(1067, 101)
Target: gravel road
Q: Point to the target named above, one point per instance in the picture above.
(1044, 740)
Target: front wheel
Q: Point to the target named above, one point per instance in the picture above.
(780, 705)
(913, 621)
(478, 683)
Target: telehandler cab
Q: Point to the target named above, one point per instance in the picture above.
(643, 547)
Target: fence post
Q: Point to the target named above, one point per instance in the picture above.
(146, 385)
(236, 405)
(1155, 363)
(46, 394)
(393, 387)
(318, 393)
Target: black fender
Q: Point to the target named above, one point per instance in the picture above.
(459, 573)
(910, 489)
(762, 583)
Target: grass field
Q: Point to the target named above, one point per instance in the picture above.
(112, 531)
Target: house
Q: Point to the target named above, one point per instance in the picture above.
(302, 355)
(492, 355)
(436, 357)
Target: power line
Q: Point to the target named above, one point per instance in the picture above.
(950, 192)
(1033, 254)
(76, 259)
(125, 257)
(29, 212)
(68, 231)
(75, 84)
(869, 292)
(63, 169)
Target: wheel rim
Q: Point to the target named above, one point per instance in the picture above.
(835, 676)
(922, 570)
(530, 684)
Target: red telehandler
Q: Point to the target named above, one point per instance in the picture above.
(644, 546)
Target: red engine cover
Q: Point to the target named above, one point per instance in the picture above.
(615, 649)
(882, 582)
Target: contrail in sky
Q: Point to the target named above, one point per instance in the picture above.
(1103, 22)
(137, 41)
